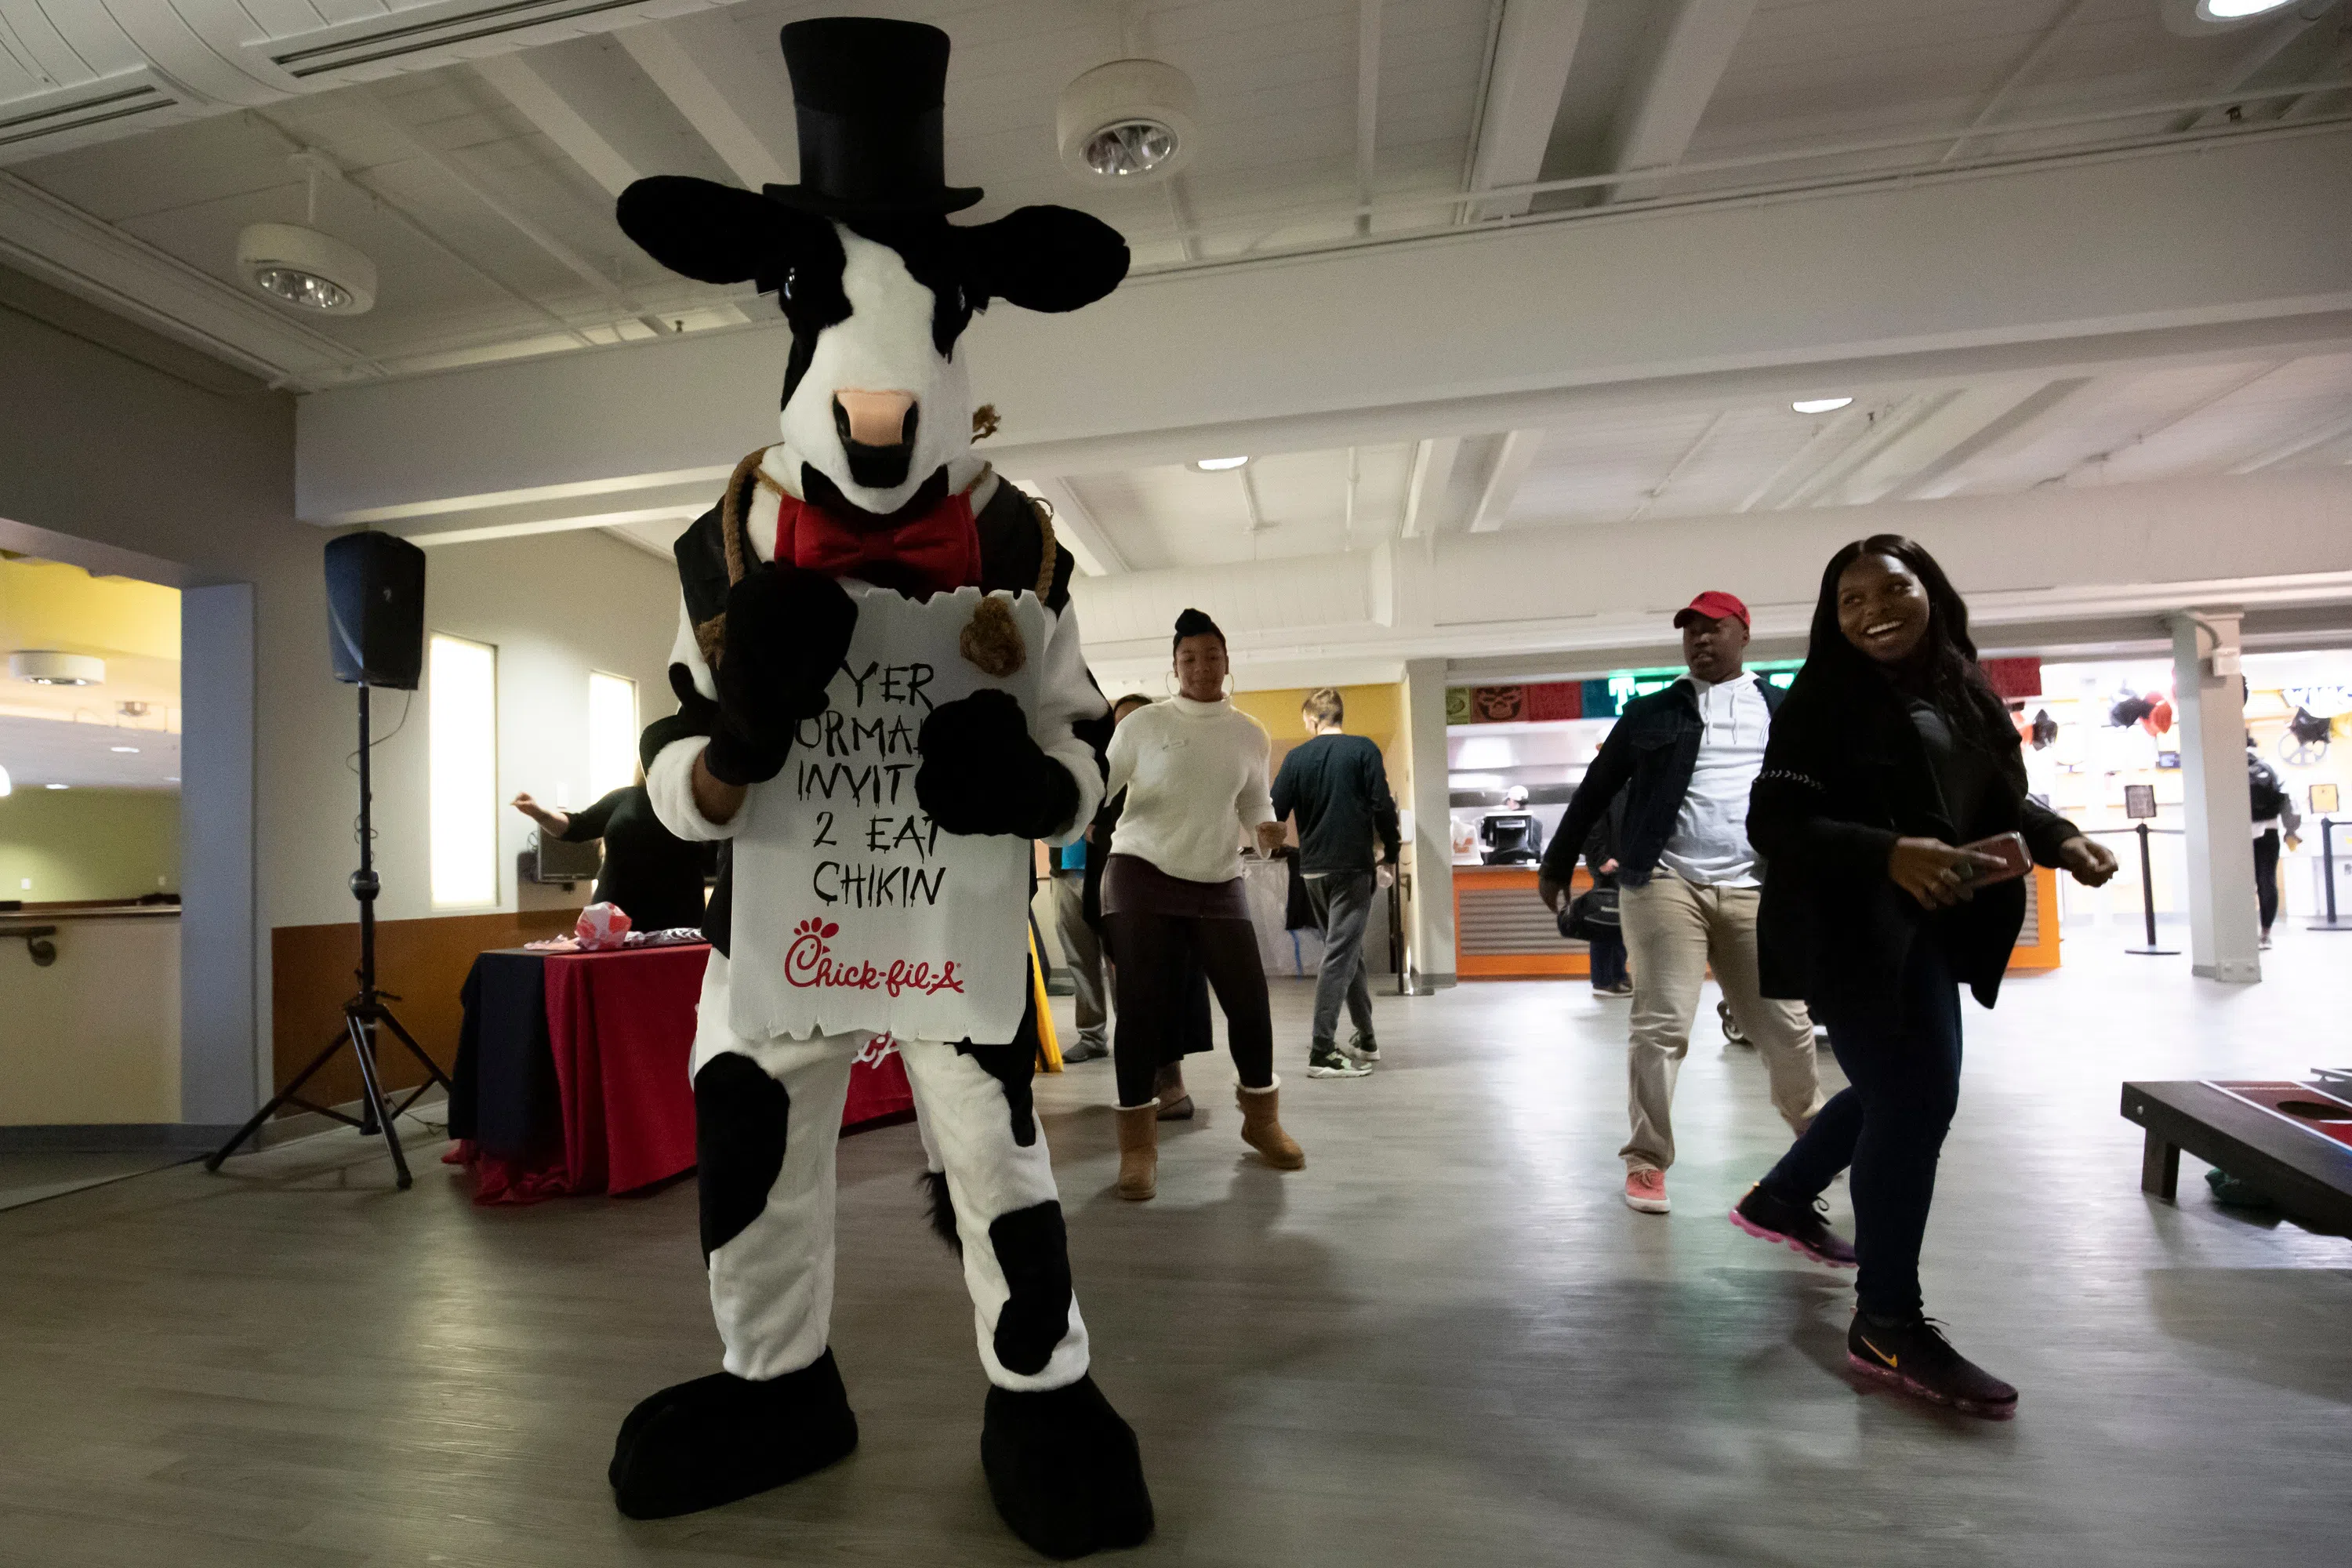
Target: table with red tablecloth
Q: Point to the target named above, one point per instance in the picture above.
(572, 1072)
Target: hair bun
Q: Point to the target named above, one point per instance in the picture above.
(1193, 624)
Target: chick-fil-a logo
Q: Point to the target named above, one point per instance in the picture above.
(808, 963)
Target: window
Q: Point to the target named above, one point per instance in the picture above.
(462, 698)
(612, 733)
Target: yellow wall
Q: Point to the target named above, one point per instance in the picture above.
(49, 604)
(1375, 712)
(89, 844)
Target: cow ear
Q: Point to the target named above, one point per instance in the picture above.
(1040, 258)
(713, 233)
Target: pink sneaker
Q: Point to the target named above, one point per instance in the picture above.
(1645, 1190)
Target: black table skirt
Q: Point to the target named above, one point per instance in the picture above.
(503, 1092)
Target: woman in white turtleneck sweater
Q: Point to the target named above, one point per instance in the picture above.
(1194, 769)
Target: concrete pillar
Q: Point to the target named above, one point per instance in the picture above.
(2224, 929)
(1429, 847)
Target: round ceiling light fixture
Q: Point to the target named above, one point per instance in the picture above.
(1219, 464)
(46, 668)
(302, 268)
(2191, 18)
(1820, 405)
(1133, 120)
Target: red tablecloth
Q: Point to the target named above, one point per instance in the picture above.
(621, 1028)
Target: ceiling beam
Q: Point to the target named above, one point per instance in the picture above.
(1657, 492)
(2318, 435)
(1368, 104)
(2268, 44)
(1515, 453)
(1074, 524)
(539, 102)
(1535, 44)
(2060, 565)
(2017, 75)
(1691, 308)
(2011, 428)
(1426, 487)
(1685, 54)
(683, 80)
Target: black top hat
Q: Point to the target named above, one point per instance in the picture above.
(867, 93)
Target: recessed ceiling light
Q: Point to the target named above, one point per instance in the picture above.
(1820, 405)
(1218, 465)
(131, 750)
(2233, 10)
(8, 785)
(57, 786)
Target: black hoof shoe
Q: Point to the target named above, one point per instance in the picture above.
(723, 1437)
(1065, 1470)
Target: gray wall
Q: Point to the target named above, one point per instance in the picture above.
(123, 452)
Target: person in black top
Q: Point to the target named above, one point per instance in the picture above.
(1890, 756)
(652, 875)
(1339, 788)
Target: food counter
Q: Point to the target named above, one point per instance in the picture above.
(1502, 931)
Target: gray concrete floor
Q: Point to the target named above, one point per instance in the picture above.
(1445, 1341)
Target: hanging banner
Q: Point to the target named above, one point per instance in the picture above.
(851, 910)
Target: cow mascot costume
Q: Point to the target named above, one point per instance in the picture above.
(883, 702)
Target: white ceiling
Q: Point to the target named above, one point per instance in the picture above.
(484, 191)
(42, 752)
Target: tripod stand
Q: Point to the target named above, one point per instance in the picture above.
(362, 1015)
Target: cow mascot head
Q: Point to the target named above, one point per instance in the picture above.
(882, 702)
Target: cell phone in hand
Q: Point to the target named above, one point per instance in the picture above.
(2009, 848)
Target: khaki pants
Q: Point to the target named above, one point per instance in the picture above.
(1673, 930)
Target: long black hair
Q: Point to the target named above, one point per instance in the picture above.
(1943, 669)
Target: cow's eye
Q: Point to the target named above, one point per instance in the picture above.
(790, 274)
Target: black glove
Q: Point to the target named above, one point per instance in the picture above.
(787, 631)
(983, 774)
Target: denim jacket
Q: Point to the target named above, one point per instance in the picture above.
(1649, 756)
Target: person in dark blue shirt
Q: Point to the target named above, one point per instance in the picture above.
(1338, 787)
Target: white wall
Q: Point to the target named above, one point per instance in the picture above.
(555, 609)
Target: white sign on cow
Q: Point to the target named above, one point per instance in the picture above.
(881, 921)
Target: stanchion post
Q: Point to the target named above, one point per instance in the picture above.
(2327, 876)
(2148, 899)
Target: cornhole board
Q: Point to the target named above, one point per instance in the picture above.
(2248, 1129)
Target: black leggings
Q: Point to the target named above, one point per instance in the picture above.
(1150, 953)
(2267, 851)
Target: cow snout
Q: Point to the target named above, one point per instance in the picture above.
(874, 418)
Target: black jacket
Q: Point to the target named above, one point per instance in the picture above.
(1845, 773)
(1649, 755)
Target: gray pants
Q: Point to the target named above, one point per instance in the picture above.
(1342, 900)
(1082, 948)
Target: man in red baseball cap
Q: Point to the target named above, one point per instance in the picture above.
(1684, 760)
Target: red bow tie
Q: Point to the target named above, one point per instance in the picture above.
(940, 548)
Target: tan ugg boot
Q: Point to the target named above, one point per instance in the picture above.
(1139, 1151)
(1262, 1126)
